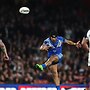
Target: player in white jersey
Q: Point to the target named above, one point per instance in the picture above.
(86, 45)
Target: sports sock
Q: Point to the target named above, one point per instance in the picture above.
(58, 87)
(44, 65)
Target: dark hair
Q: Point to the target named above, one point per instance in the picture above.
(53, 33)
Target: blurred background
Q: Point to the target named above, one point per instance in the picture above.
(23, 35)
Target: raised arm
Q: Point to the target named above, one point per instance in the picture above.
(77, 44)
(3, 49)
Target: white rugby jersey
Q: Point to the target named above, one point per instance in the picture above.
(88, 37)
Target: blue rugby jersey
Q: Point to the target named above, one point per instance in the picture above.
(56, 46)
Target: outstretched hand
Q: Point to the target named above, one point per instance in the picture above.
(78, 45)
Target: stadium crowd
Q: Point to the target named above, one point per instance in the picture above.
(23, 35)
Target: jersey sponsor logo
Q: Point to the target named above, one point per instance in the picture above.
(1, 88)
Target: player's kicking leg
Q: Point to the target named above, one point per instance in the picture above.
(50, 61)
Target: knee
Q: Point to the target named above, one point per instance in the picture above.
(54, 58)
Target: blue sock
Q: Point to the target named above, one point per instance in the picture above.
(58, 87)
(44, 65)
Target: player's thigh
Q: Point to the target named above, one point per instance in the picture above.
(54, 58)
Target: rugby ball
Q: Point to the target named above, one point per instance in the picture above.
(24, 10)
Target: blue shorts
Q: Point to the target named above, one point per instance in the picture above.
(60, 56)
